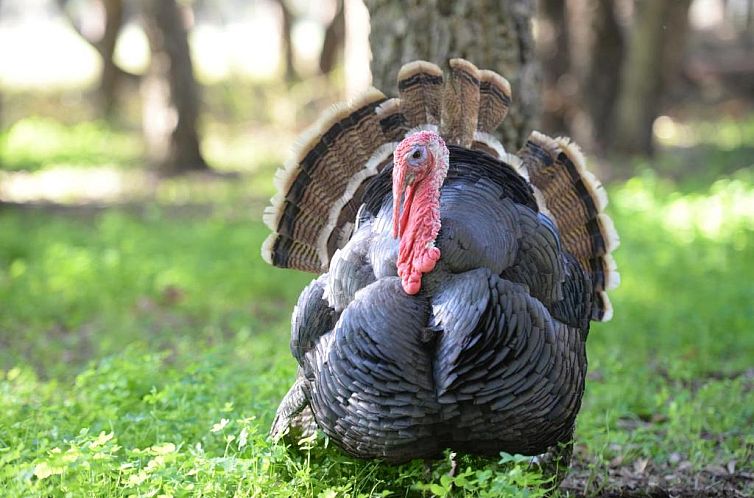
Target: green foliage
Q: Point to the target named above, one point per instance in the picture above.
(36, 143)
(513, 476)
(144, 354)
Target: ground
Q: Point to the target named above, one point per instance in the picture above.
(144, 343)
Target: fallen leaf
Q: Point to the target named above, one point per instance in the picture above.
(717, 470)
(640, 465)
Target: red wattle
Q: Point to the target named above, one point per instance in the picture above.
(419, 225)
(407, 203)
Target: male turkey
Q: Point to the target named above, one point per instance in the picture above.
(457, 280)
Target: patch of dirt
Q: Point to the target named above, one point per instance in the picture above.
(646, 479)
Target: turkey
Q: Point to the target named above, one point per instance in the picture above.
(456, 282)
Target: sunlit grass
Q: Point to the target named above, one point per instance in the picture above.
(152, 350)
(42, 143)
(150, 340)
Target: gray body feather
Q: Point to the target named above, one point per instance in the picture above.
(488, 357)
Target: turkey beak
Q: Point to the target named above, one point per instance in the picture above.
(402, 183)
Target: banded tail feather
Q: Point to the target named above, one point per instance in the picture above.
(460, 103)
(576, 201)
(494, 102)
(312, 188)
(420, 85)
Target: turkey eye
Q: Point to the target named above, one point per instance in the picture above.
(417, 157)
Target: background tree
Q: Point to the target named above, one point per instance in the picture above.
(111, 75)
(286, 30)
(553, 51)
(335, 34)
(170, 94)
(494, 35)
(650, 51)
(603, 76)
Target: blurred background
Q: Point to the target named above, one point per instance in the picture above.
(87, 112)
(138, 142)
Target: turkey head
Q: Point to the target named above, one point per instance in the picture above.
(420, 164)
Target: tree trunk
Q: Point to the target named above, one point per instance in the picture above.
(112, 75)
(287, 39)
(603, 76)
(492, 34)
(170, 97)
(674, 49)
(553, 48)
(643, 77)
(333, 43)
(108, 88)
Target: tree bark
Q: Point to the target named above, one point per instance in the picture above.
(643, 76)
(170, 94)
(553, 48)
(492, 34)
(674, 49)
(108, 88)
(287, 39)
(603, 76)
(112, 75)
(333, 43)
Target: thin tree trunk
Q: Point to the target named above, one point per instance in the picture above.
(333, 43)
(491, 34)
(603, 76)
(674, 49)
(170, 94)
(643, 77)
(108, 88)
(553, 48)
(112, 75)
(286, 28)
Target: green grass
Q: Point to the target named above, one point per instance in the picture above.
(36, 143)
(186, 329)
(145, 353)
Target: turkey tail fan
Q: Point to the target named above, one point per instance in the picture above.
(494, 102)
(460, 103)
(576, 200)
(420, 85)
(315, 201)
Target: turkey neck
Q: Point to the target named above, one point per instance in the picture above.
(420, 224)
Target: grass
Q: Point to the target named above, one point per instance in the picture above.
(144, 354)
(143, 351)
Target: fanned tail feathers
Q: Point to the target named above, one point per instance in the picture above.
(420, 86)
(460, 109)
(576, 201)
(320, 189)
(316, 185)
